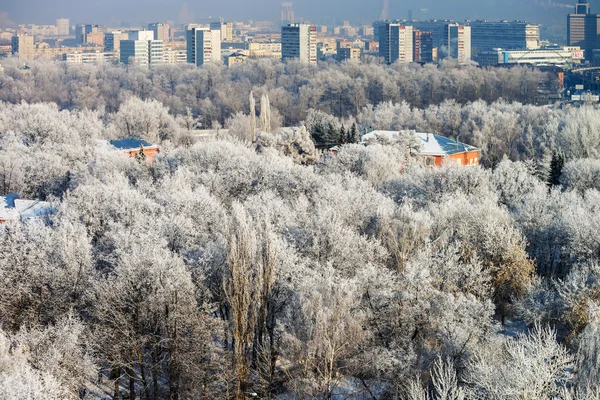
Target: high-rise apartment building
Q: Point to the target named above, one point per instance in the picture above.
(161, 31)
(142, 52)
(395, 42)
(81, 32)
(583, 29)
(457, 43)
(62, 27)
(299, 41)
(112, 41)
(287, 14)
(422, 46)
(23, 47)
(203, 45)
(226, 29)
(488, 35)
(436, 27)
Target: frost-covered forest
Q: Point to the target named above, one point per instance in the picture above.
(265, 268)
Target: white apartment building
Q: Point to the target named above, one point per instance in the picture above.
(87, 58)
(457, 42)
(143, 53)
(395, 42)
(203, 45)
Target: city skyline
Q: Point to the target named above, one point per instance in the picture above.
(330, 12)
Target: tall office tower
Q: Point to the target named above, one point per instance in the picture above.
(161, 31)
(299, 41)
(583, 29)
(203, 46)
(112, 41)
(486, 36)
(62, 27)
(422, 46)
(287, 14)
(457, 42)
(396, 43)
(141, 52)
(23, 46)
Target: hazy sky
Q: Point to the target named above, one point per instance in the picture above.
(317, 11)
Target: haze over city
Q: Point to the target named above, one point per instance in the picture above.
(328, 11)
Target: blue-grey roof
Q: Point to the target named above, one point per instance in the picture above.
(10, 200)
(129, 143)
(452, 146)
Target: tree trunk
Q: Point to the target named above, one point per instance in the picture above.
(130, 372)
(116, 375)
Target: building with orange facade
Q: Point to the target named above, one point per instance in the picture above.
(439, 150)
(134, 148)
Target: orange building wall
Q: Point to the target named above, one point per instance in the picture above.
(150, 154)
(469, 158)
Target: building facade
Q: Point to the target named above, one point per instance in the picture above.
(87, 58)
(23, 46)
(422, 46)
(203, 46)
(143, 53)
(568, 55)
(62, 27)
(299, 41)
(81, 32)
(161, 31)
(395, 42)
(583, 29)
(457, 43)
(488, 35)
(226, 29)
(112, 41)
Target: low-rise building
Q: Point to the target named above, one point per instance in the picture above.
(231, 59)
(12, 208)
(439, 150)
(133, 147)
(87, 58)
(555, 56)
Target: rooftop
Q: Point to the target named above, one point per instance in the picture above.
(431, 144)
(131, 144)
(13, 208)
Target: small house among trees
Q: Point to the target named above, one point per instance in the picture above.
(441, 150)
(136, 148)
(12, 208)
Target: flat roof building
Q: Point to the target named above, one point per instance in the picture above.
(457, 43)
(23, 47)
(161, 31)
(299, 41)
(422, 46)
(489, 35)
(583, 29)
(203, 46)
(143, 53)
(62, 27)
(395, 42)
